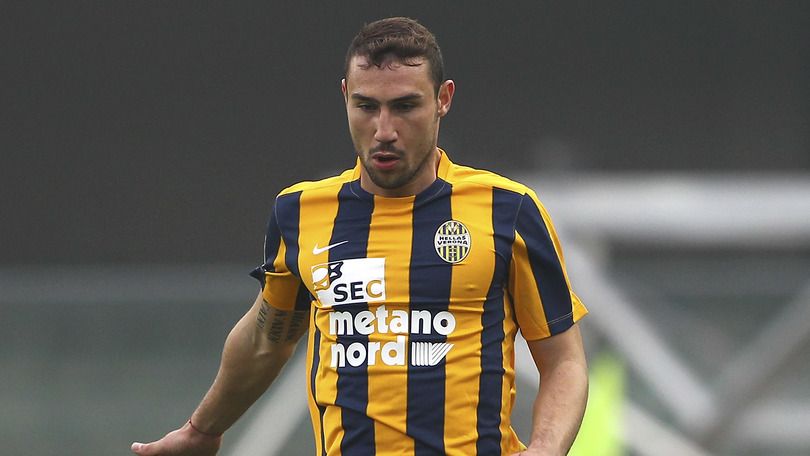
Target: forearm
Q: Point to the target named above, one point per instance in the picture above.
(559, 408)
(247, 368)
(255, 351)
(560, 403)
(254, 354)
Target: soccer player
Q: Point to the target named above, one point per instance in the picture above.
(411, 276)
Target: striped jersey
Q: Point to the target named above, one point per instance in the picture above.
(414, 304)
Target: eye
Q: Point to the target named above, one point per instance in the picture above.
(405, 107)
(367, 107)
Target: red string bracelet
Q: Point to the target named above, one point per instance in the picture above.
(215, 436)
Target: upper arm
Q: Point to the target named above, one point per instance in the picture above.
(553, 351)
(280, 313)
(281, 310)
(276, 327)
(280, 326)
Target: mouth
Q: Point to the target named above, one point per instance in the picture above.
(384, 160)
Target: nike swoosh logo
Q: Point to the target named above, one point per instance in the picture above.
(319, 250)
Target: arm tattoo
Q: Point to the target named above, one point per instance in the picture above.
(281, 325)
(262, 317)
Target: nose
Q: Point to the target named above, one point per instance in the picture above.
(385, 132)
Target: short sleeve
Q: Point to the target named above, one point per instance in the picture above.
(281, 288)
(543, 300)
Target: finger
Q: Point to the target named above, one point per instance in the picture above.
(143, 449)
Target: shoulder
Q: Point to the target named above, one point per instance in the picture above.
(460, 175)
(508, 196)
(324, 191)
(333, 182)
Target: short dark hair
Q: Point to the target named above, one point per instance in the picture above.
(401, 37)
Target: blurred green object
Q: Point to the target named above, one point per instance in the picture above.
(601, 431)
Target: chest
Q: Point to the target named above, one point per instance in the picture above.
(400, 257)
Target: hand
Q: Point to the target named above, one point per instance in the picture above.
(185, 441)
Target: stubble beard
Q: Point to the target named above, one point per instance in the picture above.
(393, 181)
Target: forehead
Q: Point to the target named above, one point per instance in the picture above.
(392, 77)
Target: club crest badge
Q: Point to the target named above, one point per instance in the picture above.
(452, 241)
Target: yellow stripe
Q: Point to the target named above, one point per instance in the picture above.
(390, 238)
(471, 279)
(509, 439)
(314, 413)
(278, 261)
(318, 210)
(280, 288)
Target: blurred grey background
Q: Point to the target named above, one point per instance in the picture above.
(142, 144)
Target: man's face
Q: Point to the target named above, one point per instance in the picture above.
(393, 114)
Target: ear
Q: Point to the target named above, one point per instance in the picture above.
(343, 89)
(446, 91)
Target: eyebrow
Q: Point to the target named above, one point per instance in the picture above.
(408, 97)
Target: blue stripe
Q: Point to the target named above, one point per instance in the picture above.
(316, 360)
(504, 212)
(303, 300)
(288, 213)
(546, 267)
(272, 242)
(352, 224)
(430, 287)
